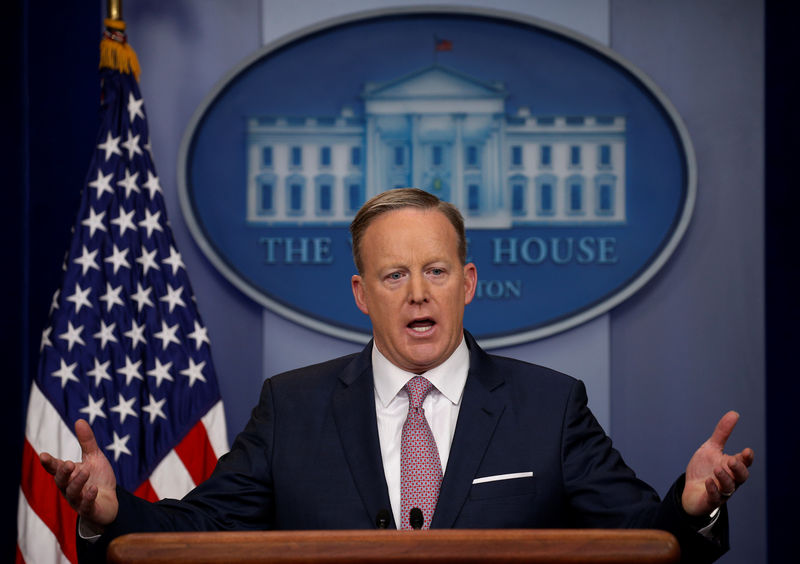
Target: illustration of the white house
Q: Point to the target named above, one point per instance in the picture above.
(445, 132)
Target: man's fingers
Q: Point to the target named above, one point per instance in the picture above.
(714, 495)
(727, 485)
(74, 489)
(62, 474)
(85, 437)
(738, 469)
(87, 501)
(49, 462)
(724, 429)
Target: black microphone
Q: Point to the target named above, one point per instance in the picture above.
(383, 518)
(415, 518)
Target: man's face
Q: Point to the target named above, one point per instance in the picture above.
(414, 287)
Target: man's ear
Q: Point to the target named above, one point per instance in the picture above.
(470, 282)
(359, 293)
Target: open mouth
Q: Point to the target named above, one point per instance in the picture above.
(422, 325)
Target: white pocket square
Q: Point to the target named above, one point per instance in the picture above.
(499, 477)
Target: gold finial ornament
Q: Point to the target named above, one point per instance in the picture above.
(115, 52)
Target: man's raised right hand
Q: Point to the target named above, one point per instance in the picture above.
(89, 486)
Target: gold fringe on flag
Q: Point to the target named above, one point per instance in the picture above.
(115, 52)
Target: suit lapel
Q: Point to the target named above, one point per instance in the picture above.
(481, 408)
(354, 413)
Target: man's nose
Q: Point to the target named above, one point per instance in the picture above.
(417, 290)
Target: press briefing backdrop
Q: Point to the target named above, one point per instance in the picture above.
(684, 349)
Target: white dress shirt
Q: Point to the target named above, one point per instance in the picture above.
(441, 407)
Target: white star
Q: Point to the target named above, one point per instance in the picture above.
(161, 372)
(94, 221)
(129, 183)
(102, 183)
(131, 371)
(174, 260)
(54, 302)
(173, 297)
(66, 373)
(119, 446)
(105, 334)
(125, 408)
(153, 185)
(80, 298)
(132, 146)
(136, 334)
(148, 260)
(118, 259)
(194, 372)
(150, 222)
(111, 297)
(134, 107)
(167, 335)
(142, 296)
(111, 146)
(154, 408)
(46, 342)
(200, 335)
(73, 335)
(99, 372)
(87, 260)
(124, 221)
(94, 409)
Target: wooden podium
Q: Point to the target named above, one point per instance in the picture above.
(400, 547)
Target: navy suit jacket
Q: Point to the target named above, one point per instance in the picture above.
(309, 458)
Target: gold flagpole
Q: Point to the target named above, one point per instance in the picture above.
(114, 10)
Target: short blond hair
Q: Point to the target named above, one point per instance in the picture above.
(400, 198)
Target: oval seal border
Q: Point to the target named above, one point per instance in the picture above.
(559, 325)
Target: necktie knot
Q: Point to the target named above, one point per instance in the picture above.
(417, 388)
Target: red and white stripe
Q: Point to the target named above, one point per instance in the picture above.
(46, 523)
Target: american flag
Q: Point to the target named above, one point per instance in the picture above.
(125, 348)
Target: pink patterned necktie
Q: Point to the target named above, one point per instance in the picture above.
(420, 465)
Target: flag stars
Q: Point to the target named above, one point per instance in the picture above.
(129, 183)
(119, 446)
(117, 258)
(99, 372)
(80, 298)
(142, 296)
(87, 260)
(124, 221)
(155, 408)
(174, 260)
(94, 221)
(148, 260)
(124, 408)
(105, 334)
(194, 372)
(132, 145)
(110, 146)
(200, 335)
(72, 335)
(111, 297)
(153, 185)
(102, 183)
(130, 371)
(54, 301)
(136, 334)
(66, 373)
(94, 409)
(150, 222)
(161, 372)
(173, 297)
(46, 342)
(134, 107)
(167, 335)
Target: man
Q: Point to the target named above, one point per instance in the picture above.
(477, 442)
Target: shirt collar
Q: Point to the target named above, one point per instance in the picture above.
(449, 377)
